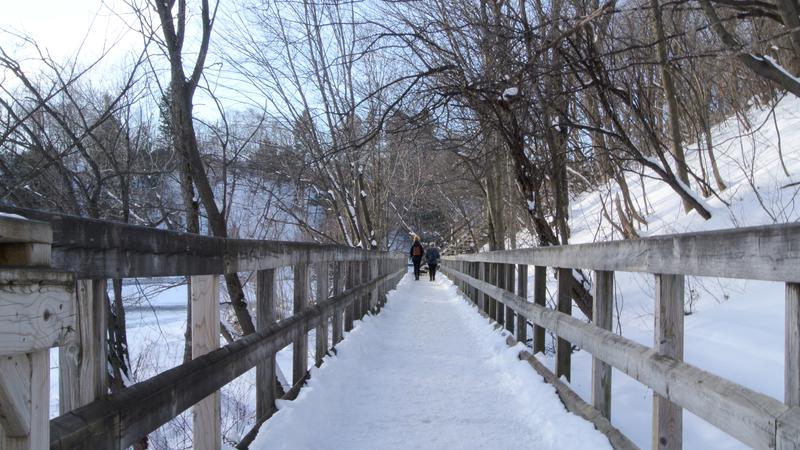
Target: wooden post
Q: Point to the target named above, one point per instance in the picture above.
(540, 298)
(83, 357)
(522, 291)
(564, 347)
(483, 303)
(322, 328)
(205, 338)
(28, 376)
(603, 317)
(470, 290)
(350, 310)
(364, 271)
(667, 416)
(792, 351)
(338, 284)
(373, 274)
(509, 285)
(300, 348)
(500, 281)
(265, 316)
(25, 376)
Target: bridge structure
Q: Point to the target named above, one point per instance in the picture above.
(53, 285)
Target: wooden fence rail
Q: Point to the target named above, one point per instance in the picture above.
(759, 253)
(58, 297)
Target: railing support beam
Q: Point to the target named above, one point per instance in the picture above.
(539, 298)
(792, 352)
(667, 416)
(300, 347)
(603, 317)
(322, 329)
(522, 291)
(205, 338)
(265, 316)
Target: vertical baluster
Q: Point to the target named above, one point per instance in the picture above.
(207, 425)
(563, 346)
(300, 348)
(540, 298)
(322, 328)
(522, 291)
(350, 310)
(265, 316)
(667, 416)
(338, 286)
(603, 317)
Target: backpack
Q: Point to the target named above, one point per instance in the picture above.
(416, 251)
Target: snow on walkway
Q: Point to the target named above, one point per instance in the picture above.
(428, 372)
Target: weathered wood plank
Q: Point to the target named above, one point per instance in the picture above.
(539, 298)
(300, 303)
(25, 254)
(522, 291)
(483, 274)
(40, 399)
(350, 310)
(667, 416)
(509, 285)
(769, 252)
(563, 346)
(603, 317)
(83, 356)
(752, 417)
(102, 249)
(15, 395)
(36, 309)
(265, 317)
(206, 419)
(24, 230)
(792, 351)
(500, 281)
(125, 417)
(322, 329)
(338, 287)
(32, 373)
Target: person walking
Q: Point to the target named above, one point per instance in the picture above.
(416, 253)
(432, 257)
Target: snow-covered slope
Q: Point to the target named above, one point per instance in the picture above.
(735, 327)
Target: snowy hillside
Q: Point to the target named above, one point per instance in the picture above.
(734, 328)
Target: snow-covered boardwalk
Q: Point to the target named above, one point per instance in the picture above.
(427, 372)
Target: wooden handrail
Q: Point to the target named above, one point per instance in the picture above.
(96, 249)
(754, 418)
(770, 253)
(119, 420)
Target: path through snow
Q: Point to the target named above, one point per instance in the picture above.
(428, 372)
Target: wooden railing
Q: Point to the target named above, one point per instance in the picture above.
(759, 253)
(53, 272)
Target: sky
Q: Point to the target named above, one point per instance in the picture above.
(84, 30)
(63, 27)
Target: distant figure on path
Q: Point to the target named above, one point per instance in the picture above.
(416, 253)
(432, 256)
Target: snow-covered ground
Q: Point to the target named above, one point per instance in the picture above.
(427, 372)
(733, 328)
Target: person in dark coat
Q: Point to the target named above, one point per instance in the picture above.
(432, 257)
(416, 253)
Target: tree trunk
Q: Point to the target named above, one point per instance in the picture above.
(671, 98)
(185, 139)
